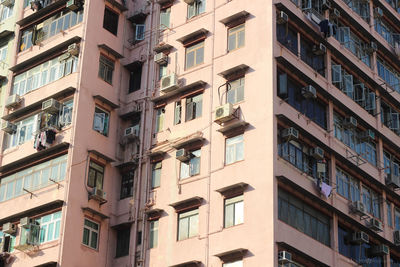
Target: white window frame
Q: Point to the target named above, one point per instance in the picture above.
(237, 205)
(159, 121)
(196, 8)
(233, 145)
(189, 219)
(54, 222)
(238, 263)
(187, 168)
(153, 236)
(235, 32)
(91, 231)
(101, 121)
(235, 87)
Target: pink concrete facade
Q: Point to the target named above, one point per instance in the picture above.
(245, 188)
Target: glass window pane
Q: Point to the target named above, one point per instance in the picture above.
(239, 213)
(183, 228)
(194, 225)
(93, 241)
(229, 215)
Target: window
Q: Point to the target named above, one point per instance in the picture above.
(165, 14)
(160, 119)
(191, 167)
(6, 12)
(235, 91)
(287, 37)
(194, 55)
(303, 217)
(33, 178)
(123, 238)
(234, 211)
(389, 214)
(177, 112)
(135, 78)
(236, 36)
(162, 71)
(110, 22)
(153, 242)
(49, 227)
(371, 201)
(24, 133)
(7, 241)
(65, 115)
(196, 8)
(101, 121)
(238, 263)
(90, 234)
(47, 72)
(3, 53)
(50, 27)
(317, 62)
(127, 184)
(194, 107)
(106, 69)
(357, 252)
(234, 149)
(139, 31)
(156, 174)
(347, 186)
(188, 224)
(96, 175)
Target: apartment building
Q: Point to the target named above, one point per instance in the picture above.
(200, 133)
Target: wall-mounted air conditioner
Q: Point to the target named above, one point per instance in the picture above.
(224, 113)
(309, 92)
(319, 49)
(290, 133)
(392, 180)
(379, 250)
(131, 132)
(73, 4)
(367, 135)
(73, 49)
(9, 228)
(169, 83)
(8, 127)
(51, 106)
(98, 195)
(161, 58)
(7, 3)
(182, 154)
(350, 122)
(282, 18)
(25, 222)
(317, 153)
(358, 207)
(359, 238)
(375, 225)
(13, 101)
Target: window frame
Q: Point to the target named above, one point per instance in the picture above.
(159, 119)
(123, 240)
(91, 231)
(189, 215)
(112, 21)
(106, 68)
(196, 48)
(156, 169)
(198, 7)
(187, 167)
(236, 145)
(236, 31)
(127, 180)
(193, 109)
(235, 89)
(105, 120)
(97, 173)
(234, 201)
(153, 233)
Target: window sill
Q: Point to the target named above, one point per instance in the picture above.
(233, 226)
(192, 237)
(194, 66)
(90, 248)
(100, 133)
(232, 163)
(233, 50)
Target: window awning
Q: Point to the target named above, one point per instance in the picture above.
(180, 90)
(106, 101)
(234, 189)
(42, 12)
(154, 214)
(100, 155)
(47, 264)
(162, 47)
(138, 17)
(94, 212)
(5, 33)
(188, 140)
(193, 263)
(239, 17)
(110, 51)
(187, 204)
(193, 36)
(233, 128)
(231, 255)
(118, 5)
(234, 71)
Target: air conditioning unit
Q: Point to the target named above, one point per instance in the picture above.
(169, 83)
(182, 155)
(319, 49)
(359, 238)
(309, 92)
(378, 12)
(64, 57)
(73, 49)
(98, 194)
(282, 18)
(9, 228)
(371, 47)
(290, 133)
(73, 4)
(379, 250)
(367, 135)
(161, 58)
(393, 180)
(284, 257)
(358, 207)
(350, 122)
(51, 106)
(326, 5)
(396, 237)
(317, 153)
(375, 225)
(131, 132)
(7, 3)
(13, 101)
(25, 222)
(8, 127)
(224, 113)
(335, 14)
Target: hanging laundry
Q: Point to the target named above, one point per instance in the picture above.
(326, 189)
(50, 136)
(324, 27)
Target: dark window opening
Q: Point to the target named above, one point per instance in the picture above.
(127, 184)
(110, 22)
(123, 237)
